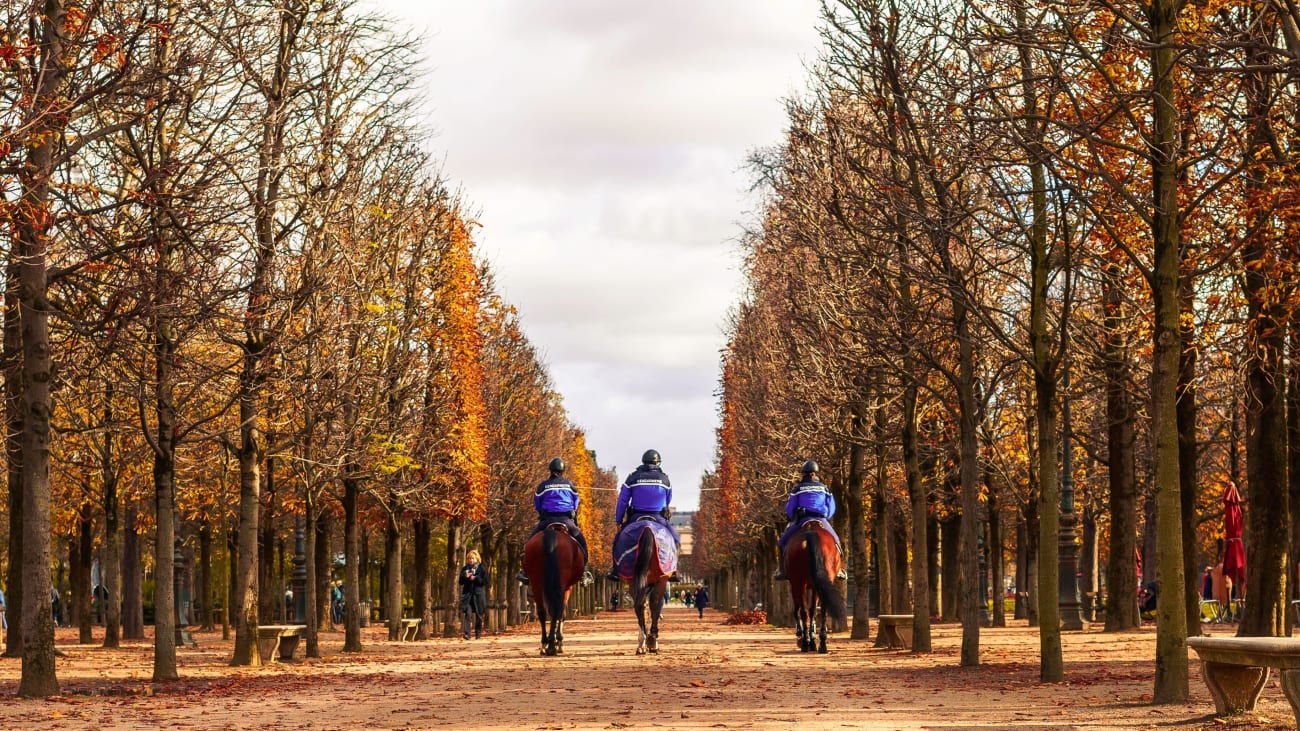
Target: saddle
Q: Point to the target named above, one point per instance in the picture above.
(804, 520)
(557, 525)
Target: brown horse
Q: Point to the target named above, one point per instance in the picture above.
(649, 586)
(811, 559)
(553, 562)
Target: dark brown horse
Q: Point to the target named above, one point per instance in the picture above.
(649, 586)
(811, 560)
(553, 562)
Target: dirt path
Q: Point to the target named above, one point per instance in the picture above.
(708, 675)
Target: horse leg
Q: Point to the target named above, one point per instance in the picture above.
(656, 609)
(559, 637)
(541, 620)
(821, 630)
(640, 621)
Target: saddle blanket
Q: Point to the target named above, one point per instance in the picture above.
(625, 547)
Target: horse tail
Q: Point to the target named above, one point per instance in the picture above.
(645, 551)
(830, 596)
(552, 586)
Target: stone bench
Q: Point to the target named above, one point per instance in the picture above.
(894, 631)
(410, 627)
(1236, 669)
(281, 637)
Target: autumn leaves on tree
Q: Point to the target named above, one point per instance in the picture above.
(971, 202)
(242, 300)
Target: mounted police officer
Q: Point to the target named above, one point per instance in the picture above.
(810, 498)
(645, 493)
(556, 501)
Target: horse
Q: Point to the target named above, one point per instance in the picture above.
(553, 561)
(649, 586)
(811, 560)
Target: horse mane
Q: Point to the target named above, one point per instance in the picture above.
(552, 586)
(830, 596)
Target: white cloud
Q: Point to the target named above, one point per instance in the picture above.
(605, 143)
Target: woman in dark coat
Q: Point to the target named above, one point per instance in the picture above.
(701, 599)
(473, 594)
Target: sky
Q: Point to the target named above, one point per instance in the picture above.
(603, 144)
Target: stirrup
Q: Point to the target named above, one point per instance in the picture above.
(587, 578)
(779, 575)
(842, 575)
(612, 575)
(522, 578)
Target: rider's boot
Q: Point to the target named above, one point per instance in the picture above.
(780, 574)
(522, 578)
(612, 574)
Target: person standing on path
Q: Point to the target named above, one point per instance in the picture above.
(701, 599)
(473, 594)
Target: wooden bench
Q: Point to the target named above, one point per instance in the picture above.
(410, 627)
(894, 631)
(281, 637)
(1236, 669)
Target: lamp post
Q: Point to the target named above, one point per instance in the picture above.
(1068, 597)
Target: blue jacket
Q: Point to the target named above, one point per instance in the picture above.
(813, 497)
(556, 495)
(646, 490)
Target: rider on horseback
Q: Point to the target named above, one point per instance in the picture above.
(644, 494)
(809, 499)
(556, 501)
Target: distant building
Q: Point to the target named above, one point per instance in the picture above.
(683, 523)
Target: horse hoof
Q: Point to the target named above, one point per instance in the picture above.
(640, 650)
(822, 650)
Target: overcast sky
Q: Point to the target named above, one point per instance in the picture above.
(604, 143)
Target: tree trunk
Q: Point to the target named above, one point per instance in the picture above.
(112, 576)
(1267, 531)
(888, 601)
(311, 583)
(324, 570)
(1121, 466)
(449, 578)
(14, 458)
(205, 575)
(857, 525)
(422, 532)
(352, 572)
(1171, 676)
(32, 220)
(997, 559)
(164, 595)
(132, 577)
(267, 596)
(82, 591)
(393, 588)
(1293, 451)
(1187, 449)
(949, 546)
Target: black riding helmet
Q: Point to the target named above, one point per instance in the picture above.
(556, 466)
(809, 468)
(651, 456)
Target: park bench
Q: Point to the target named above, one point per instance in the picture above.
(1236, 669)
(278, 641)
(410, 626)
(894, 631)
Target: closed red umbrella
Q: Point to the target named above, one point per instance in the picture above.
(1234, 551)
